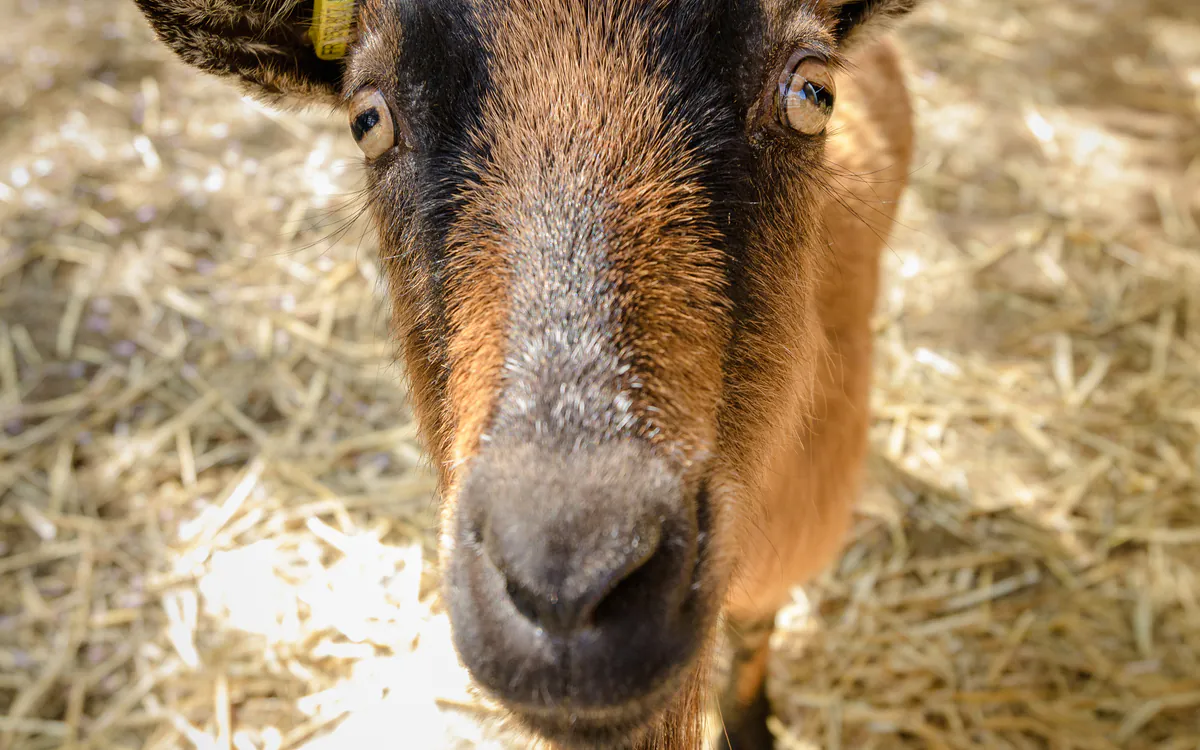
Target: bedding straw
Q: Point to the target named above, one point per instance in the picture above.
(217, 528)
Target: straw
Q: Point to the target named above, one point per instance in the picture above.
(217, 530)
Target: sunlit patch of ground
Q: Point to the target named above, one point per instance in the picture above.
(216, 529)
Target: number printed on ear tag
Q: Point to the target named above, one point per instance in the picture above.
(332, 28)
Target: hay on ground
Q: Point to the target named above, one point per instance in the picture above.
(216, 529)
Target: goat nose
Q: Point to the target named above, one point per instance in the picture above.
(575, 571)
(577, 541)
(559, 571)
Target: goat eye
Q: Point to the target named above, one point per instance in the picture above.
(371, 123)
(805, 94)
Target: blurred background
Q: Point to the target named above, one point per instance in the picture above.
(216, 529)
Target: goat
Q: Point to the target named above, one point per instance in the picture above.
(632, 248)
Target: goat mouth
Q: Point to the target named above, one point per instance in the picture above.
(568, 726)
(606, 729)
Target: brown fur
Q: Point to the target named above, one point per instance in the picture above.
(680, 373)
(809, 490)
(806, 492)
(660, 261)
(603, 202)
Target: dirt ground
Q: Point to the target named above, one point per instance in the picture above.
(216, 529)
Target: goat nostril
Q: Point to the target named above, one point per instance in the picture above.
(565, 592)
(634, 582)
(524, 600)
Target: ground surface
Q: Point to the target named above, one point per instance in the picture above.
(215, 529)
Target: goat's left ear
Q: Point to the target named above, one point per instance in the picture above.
(279, 51)
(855, 20)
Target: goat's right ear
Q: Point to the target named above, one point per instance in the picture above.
(855, 20)
(279, 51)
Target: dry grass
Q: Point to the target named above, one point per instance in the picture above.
(216, 529)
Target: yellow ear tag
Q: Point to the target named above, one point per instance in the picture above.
(332, 28)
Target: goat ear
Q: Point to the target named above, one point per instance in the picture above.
(856, 20)
(279, 51)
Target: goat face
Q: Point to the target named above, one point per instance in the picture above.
(600, 222)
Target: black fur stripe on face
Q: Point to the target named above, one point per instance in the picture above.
(427, 60)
